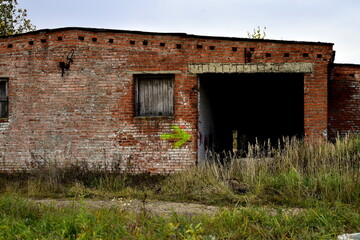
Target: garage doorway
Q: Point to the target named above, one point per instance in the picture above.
(249, 107)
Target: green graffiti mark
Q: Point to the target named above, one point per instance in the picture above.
(179, 134)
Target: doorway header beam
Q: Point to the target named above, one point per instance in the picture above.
(199, 68)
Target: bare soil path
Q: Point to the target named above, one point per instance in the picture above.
(155, 207)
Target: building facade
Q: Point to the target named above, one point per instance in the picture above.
(157, 101)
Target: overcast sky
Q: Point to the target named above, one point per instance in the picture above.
(335, 21)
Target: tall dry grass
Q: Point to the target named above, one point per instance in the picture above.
(295, 172)
(292, 173)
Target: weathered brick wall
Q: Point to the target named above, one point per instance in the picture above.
(344, 100)
(88, 114)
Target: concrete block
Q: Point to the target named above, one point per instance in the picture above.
(240, 68)
(205, 68)
(253, 68)
(199, 68)
(268, 68)
(286, 68)
(212, 68)
(226, 68)
(192, 68)
(219, 68)
(232, 68)
(247, 68)
(261, 67)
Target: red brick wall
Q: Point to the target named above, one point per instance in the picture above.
(344, 100)
(88, 115)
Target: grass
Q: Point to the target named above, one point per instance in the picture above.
(322, 179)
(21, 219)
(296, 174)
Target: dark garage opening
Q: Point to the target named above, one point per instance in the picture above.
(249, 107)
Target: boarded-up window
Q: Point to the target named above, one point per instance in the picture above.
(154, 95)
(3, 98)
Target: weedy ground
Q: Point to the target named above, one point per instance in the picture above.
(322, 179)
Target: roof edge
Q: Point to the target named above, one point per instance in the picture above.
(103, 30)
(346, 65)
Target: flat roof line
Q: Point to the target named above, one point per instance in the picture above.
(185, 35)
(346, 65)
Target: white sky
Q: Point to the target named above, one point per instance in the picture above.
(335, 21)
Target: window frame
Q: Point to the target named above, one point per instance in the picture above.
(138, 78)
(5, 99)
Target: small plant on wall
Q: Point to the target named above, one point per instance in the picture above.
(257, 33)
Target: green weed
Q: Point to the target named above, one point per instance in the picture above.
(23, 219)
(294, 174)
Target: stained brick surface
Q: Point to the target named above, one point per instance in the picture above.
(344, 100)
(88, 114)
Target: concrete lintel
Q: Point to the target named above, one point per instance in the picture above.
(206, 68)
(300, 67)
(212, 68)
(219, 67)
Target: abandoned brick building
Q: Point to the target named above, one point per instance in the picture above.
(157, 101)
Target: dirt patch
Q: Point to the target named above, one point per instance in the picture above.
(155, 207)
